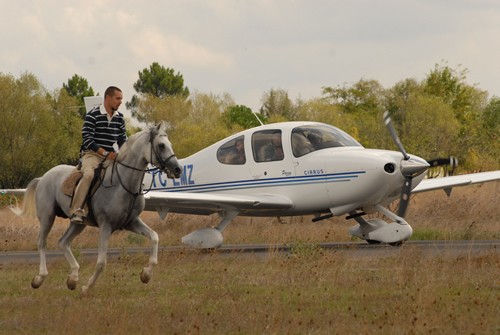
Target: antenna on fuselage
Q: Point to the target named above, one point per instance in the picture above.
(257, 117)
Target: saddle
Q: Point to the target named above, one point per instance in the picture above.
(69, 185)
(71, 182)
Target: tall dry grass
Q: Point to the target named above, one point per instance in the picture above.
(470, 213)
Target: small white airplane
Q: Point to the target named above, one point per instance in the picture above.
(298, 168)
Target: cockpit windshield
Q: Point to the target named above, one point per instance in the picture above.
(306, 139)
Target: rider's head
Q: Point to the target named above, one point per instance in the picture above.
(112, 99)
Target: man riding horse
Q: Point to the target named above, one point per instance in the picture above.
(103, 127)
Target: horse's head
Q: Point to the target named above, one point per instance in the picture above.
(162, 154)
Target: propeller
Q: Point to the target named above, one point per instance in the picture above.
(394, 135)
(409, 168)
(404, 200)
(447, 165)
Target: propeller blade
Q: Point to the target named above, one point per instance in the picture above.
(404, 200)
(446, 165)
(394, 135)
(409, 168)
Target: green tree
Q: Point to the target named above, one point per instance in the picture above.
(426, 124)
(362, 104)
(400, 100)
(35, 136)
(159, 82)
(277, 103)
(467, 102)
(363, 96)
(321, 110)
(438, 140)
(491, 117)
(243, 116)
(79, 88)
(489, 158)
(194, 123)
(202, 125)
(450, 85)
(171, 109)
(400, 95)
(68, 135)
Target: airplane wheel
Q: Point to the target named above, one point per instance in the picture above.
(396, 244)
(373, 242)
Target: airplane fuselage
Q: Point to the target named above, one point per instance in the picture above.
(337, 179)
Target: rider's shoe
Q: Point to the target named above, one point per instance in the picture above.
(78, 216)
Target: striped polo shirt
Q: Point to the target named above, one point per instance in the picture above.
(99, 132)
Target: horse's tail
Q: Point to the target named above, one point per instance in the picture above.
(29, 203)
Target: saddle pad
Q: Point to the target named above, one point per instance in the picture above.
(68, 186)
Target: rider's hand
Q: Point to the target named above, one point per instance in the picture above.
(111, 156)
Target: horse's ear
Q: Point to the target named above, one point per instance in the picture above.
(161, 126)
(153, 132)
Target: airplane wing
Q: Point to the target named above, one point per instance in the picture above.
(204, 203)
(447, 183)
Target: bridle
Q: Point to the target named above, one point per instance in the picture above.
(162, 162)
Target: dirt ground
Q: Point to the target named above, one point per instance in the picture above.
(471, 212)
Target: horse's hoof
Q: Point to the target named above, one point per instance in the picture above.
(71, 283)
(37, 281)
(145, 275)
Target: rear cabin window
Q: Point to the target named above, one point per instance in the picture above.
(267, 146)
(232, 152)
(312, 138)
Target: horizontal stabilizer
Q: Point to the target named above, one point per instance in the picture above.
(19, 191)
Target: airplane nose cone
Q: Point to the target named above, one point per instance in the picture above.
(413, 167)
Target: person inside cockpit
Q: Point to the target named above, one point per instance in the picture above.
(273, 151)
(237, 154)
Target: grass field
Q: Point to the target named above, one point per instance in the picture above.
(309, 291)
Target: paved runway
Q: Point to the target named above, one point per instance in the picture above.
(357, 249)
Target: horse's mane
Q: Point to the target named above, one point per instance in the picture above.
(126, 147)
(144, 135)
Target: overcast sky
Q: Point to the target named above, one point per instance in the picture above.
(245, 48)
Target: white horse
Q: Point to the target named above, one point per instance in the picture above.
(115, 205)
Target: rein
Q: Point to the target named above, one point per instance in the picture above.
(116, 162)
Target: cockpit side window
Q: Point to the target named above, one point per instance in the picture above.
(232, 152)
(311, 138)
(267, 146)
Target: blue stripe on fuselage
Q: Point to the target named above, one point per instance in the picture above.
(259, 183)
